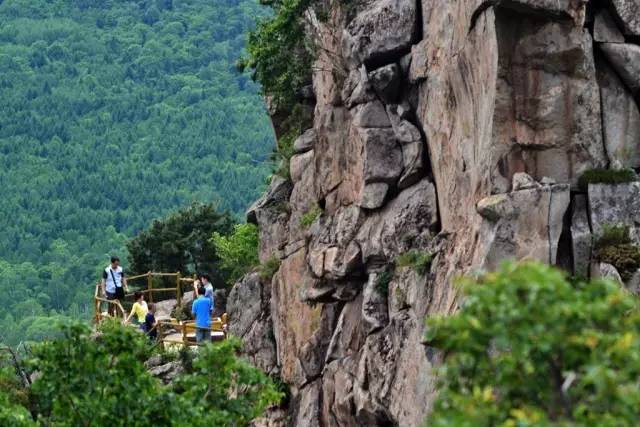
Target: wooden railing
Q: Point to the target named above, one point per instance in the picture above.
(148, 292)
(184, 330)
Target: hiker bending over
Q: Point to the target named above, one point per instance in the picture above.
(150, 325)
(114, 284)
(139, 308)
(201, 310)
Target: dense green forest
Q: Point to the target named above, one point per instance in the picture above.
(113, 113)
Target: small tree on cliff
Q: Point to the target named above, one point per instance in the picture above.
(531, 348)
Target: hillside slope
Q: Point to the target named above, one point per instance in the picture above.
(113, 113)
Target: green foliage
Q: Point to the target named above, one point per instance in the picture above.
(14, 399)
(309, 217)
(278, 52)
(625, 258)
(101, 380)
(269, 268)
(606, 176)
(238, 252)
(226, 390)
(529, 348)
(614, 247)
(115, 113)
(181, 243)
(382, 282)
(415, 259)
(613, 235)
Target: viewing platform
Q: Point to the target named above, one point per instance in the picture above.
(170, 302)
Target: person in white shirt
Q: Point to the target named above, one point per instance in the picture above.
(114, 283)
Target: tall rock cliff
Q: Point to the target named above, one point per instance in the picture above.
(455, 128)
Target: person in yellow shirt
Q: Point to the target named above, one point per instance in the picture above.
(139, 309)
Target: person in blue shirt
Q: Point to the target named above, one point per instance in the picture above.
(201, 310)
(208, 289)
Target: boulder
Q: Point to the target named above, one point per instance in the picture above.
(628, 12)
(617, 204)
(386, 82)
(374, 303)
(605, 29)
(294, 322)
(349, 333)
(380, 34)
(250, 320)
(625, 59)
(605, 271)
(371, 115)
(313, 353)
(412, 145)
(298, 164)
(167, 372)
(547, 118)
(373, 195)
(524, 224)
(523, 181)
(357, 89)
(634, 283)
(393, 229)
(271, 214)
(620, 119)
(305, 142)
(337, 393)
(548, 8)
(580, 237)
(307, 405)
(382, 155)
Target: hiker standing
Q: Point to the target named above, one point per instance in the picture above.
(150, 325)
(201, 310)
(208, 289)
(114, 284)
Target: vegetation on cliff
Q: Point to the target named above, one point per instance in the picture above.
(529, 347)
(114, 113)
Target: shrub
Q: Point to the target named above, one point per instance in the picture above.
(606, 176)
(279, 52)
(87, 379)
(614, 247)
(268, 268)
(382, 282)
(310, 216)
(624, 257)
(613, 235)
(530, 348)
(238, 252)
(417, 260)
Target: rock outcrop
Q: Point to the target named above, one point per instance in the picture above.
(455, 128)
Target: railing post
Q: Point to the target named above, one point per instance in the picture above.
(150, 286)
(185, 342)
(178, 290)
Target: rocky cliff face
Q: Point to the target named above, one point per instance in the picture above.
(454, 128)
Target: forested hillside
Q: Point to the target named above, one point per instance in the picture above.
(113, 113)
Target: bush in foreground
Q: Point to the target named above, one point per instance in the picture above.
(100, 379)
(531, 348)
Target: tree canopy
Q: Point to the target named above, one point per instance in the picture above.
(101, 379)
(114, 113)
(531, 348)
